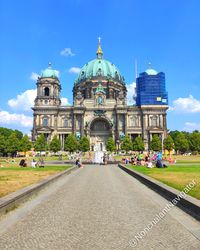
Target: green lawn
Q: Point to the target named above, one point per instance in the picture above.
(176, 176)
(45, 158)
(187, 158)
(13, 177)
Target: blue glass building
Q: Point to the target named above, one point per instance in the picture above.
(150, 88)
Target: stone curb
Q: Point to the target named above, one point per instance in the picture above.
(188, 204)
(14, 199)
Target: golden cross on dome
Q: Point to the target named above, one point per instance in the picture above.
(99, 50)
(99, 38)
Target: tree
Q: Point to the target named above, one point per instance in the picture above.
(194, 141)
(126, 143)
(71, 143)
(6, 132)
(40, 143)
(2, 144)
(84, 144)
(155, 143)
(25, 144)
(174, 134)
(55, 144)
(110, 145)
(138, 144)
(12, 144)
(181, 143)
(19, 134)
(169, 143)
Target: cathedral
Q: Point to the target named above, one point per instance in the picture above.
(100, 108)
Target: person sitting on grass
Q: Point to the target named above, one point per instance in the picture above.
(33, 163)
(150, 164)
(23, 163)
(159, 164)
(41, 163)
(142, 162)
(78, 163)
(126, 161)
(147, 158)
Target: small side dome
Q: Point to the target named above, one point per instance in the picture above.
(150, 71)
(49, 72)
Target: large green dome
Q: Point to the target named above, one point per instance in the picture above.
(99, 67)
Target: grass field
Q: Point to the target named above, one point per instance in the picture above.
(179, 158)
(187, 158)
(13, 177)
(176, 176)
(46, 158)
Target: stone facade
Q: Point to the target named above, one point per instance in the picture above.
(99, 110)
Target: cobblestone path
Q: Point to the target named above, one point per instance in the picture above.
(97, 207)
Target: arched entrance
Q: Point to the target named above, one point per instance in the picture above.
(100, 130)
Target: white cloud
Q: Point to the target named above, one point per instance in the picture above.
(34, 76)
(191, 126)
(15, 119)
(64, 101)
(67, 52)
(186, 105)
(131, 92)
(24, 101)
(74, 70)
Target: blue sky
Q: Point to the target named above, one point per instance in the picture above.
(34, 32)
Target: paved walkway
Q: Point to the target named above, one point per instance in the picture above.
(97, 207)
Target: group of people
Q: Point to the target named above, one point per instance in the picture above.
(34, 163)
(146, 160)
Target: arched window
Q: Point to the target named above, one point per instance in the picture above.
(134, 121)
(46, 91)
(100, 100)
(78, 123)
(154, 121)
(65, 123)
(45, 121)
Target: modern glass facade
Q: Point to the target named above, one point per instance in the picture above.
(150, 89)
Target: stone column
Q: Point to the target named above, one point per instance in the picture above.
(125, 124)
(164, 122)
(148, 122)
(82, 125)
(161, 121)
(117, 127)
(63, 141)
(144, 131)
(74, 123)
